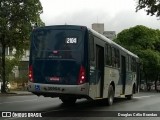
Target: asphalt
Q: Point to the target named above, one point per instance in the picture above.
(16, 93)
(21, 93)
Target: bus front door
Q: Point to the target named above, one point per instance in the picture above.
(123, 73)
(99, 70)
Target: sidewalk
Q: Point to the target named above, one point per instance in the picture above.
(16, 93)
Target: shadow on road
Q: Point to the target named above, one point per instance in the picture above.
(85, 108)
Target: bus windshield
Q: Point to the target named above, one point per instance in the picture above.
(66, 43)
(51, 39)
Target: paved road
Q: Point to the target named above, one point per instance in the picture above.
(49, 106)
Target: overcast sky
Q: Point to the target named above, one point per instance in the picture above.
(115, 14)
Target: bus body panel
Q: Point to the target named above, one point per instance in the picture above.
(112, 74)
(51, 71)
(131, 80)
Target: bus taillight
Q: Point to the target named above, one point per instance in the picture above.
(82, 75)
(30, 73)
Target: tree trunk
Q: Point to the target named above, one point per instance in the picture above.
(3, 90)
(146, 80)
(156, 80)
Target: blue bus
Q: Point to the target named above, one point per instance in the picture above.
(73, 62)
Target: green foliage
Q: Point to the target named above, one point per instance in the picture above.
(151, 63)
(10, 64)
(17, 18)
(139, 37)
(23, 71)
(152, 7)
(144, 42)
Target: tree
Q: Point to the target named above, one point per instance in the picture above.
(17, 18)
(152, 7)
(10, 65)
(144, 42)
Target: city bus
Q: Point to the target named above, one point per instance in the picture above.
(73, 62)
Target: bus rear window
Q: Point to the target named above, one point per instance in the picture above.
(50, 39)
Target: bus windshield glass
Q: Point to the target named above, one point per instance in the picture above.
(56, 41)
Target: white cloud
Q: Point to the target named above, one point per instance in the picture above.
(115, 14)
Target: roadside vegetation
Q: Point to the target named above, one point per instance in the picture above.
(17, 19)
(145, 42)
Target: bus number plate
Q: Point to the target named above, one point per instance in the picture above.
(54, 89)
(71, 40)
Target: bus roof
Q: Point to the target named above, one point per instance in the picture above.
(94, 32)
(62, 27)
(112, 42)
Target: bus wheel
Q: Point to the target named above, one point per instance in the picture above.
(129, 97)
(68, 100)
(110, 95)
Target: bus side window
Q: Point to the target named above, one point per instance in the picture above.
(129, 63)
(113, 57)
(91, 47)
(133, 65)
(108, 55)
(117, 60)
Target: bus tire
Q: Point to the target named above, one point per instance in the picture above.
(110, 95)
(68, 100)
(129, 97)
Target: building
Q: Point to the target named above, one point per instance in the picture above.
(22, 69)
(110, 34)
(99, 27)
